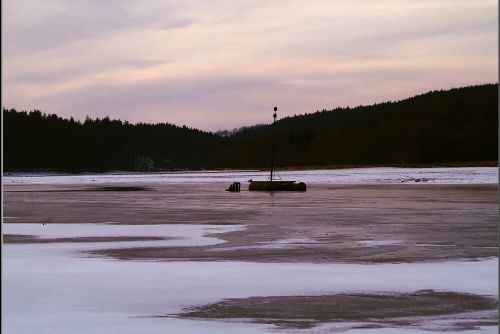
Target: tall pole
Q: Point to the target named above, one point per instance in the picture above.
(272, 151)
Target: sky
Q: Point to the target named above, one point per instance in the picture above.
(225, 64)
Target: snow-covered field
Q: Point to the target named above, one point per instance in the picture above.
(462, 175)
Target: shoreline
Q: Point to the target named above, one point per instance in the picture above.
(252, 169)
(359, 176)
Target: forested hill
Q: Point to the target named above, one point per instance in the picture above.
(457, 125)
(36, 141)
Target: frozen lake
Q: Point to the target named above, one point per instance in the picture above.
(52, 288)
(462, 175)
(57, 287)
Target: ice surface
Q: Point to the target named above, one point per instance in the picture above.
(482, 330)
(462, 175)
(177, 235)
(281, 243)
(375, 243)
(47, 289)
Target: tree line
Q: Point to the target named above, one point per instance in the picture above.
(457, 125)
(42, 142)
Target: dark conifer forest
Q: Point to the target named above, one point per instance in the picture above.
(453, 126)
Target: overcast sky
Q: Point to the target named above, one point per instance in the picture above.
(223, 64)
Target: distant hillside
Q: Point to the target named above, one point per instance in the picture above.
(457, 125)
(35, 141)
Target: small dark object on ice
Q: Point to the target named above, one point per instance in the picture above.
(235, 187)
(276, 186)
